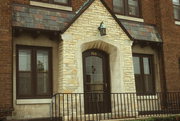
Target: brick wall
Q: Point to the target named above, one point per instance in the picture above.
(171, 37)
(5, 56)
(77, 3)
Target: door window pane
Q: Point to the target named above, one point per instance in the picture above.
(94, 70)
(24, 60)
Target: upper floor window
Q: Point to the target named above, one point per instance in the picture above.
(176, 5)
(127, 7)
(63, 2)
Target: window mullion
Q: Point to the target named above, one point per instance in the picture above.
(142, 73)
(34, 75)
(125, 7)
(151, 65)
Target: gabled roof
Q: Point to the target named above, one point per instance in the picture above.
(86, 7)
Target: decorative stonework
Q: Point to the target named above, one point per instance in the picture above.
(83, 34)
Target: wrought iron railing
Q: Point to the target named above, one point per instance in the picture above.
(102, 106)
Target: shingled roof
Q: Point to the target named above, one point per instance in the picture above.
(40, 18)
(49, 19)
(142, 31)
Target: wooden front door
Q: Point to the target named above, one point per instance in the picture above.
(96, 82)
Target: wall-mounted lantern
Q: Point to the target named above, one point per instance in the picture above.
(102, 29)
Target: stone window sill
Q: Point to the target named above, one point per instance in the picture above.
(177, 22)
(129, 18)
(53, 6)
(33, 101)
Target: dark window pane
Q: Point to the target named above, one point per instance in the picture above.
(42, 61)
(24, 60)
(176, 2)
(61, 1)
(24, 84)
(43, 86)
(139, 84)
(136, 62)
(118, 6)
(146, 65)
(177, 12)
(133, 7)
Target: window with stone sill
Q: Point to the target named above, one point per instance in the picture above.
(61, 2)
(127, 7)
(34, 75)
(176, 6)
(144, 74)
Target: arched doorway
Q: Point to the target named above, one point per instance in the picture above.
(96, 81)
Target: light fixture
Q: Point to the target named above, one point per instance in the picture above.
(102, 29)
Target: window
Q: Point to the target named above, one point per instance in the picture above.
(127, 7)
(144, 75)
(34, 72)
(63, 2)
(176, 5)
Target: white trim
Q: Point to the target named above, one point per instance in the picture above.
(130, 18)
(47, 5)
(33, 101)
(177, 22)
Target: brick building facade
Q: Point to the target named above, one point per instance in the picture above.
(22, 20)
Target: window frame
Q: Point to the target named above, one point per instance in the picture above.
(151, 68)
(126, 9)
(53, 2)
(33, 66)
(173, 10)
